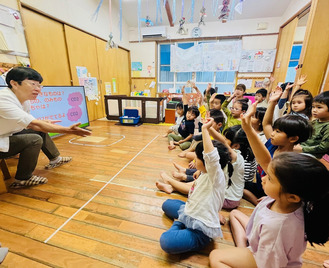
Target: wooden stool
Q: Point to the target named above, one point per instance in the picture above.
(6, 176)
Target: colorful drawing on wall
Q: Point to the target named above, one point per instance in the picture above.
(82, 71)
(136, 66)
(149, 68)
(91, 88)
(108, 87)
(136, 73)
(114, 83)
(258, 84)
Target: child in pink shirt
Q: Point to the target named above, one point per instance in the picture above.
(294, 211)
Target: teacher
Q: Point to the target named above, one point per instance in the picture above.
(21, 133)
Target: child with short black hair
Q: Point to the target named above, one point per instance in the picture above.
(294, 212)
(260, 97)
(186, 128)
(180, 115)
(286, 132)
(318, 143)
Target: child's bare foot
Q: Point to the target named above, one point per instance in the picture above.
(222, 219)
(171, 147)
(167, 188)
(165, 177)
(179, 168)
(182, 154)
(179, 176)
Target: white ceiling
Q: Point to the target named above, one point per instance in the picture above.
(251, 9)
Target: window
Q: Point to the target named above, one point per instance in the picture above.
(224, 81)
(294, 59)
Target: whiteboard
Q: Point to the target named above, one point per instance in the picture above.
(257, 61)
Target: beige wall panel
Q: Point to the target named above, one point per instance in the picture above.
(123, 72)
(139, 84)
(107, 65)
(82, 52)
(315, 51)
(47, 48)
(286, 40)
(113, 63)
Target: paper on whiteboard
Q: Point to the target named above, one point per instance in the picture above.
(257, 60)
(246, 82)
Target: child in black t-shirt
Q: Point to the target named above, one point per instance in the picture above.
(186, 127)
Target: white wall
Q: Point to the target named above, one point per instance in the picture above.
(78, 13)
(145, 53)
(293, 8)
(219, 29)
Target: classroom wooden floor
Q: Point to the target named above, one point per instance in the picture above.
(103, 209)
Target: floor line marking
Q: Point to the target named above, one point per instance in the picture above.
(52, 235)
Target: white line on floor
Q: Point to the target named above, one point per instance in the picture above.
(51, 236)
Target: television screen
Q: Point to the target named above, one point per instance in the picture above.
(64, 103)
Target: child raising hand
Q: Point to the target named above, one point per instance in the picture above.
(294, 212)
(198, 220)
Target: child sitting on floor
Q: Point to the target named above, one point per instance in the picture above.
(260, 97)
(286, 132)
(179, 118)
(239, 91)
(186, 128)
(294, 212)
(233, 114)
(318, 143)
(198, 220)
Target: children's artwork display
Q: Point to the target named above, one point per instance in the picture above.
(222, 56)
(186, 60)
(257, 61)
(207, 57)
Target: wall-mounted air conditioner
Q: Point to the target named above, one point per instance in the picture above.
(154, 32)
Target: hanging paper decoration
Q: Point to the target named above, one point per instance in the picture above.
(139, 10)
(110, 43)
(95, 15)
(214, 7)
(120, 22)
(224, 11)
(192, 10)
(173, 11)
(202, 16)
(181, 29)
(158, 12)
(148, 22)
(239, 6)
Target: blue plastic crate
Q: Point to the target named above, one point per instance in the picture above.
(130, 117)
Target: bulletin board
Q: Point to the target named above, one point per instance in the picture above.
(257, 61)
(252, 83)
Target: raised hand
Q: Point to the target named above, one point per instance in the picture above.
(301, 80)
(275, 96)
(289, 86)
(208, 122)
